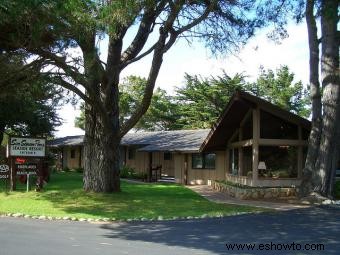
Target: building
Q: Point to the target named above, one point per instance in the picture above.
(253, 143)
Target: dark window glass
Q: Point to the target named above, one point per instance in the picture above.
(305, 134)
(203, 161)
(131, 153)
(247, 129)
(209, 160)
(73, 153)
(197, 161)
(273, 127)
(233, 161)
(280, 161)
(167, 156)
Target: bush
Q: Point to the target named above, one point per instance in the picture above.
(337, 189)
(129, 172)
(79, 170)
(66, 169)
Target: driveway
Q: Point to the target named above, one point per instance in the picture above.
(278, 230)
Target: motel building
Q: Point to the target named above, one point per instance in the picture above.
(254, 150)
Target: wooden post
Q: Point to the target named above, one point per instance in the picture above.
(227, 170)
(256, 138)
(150, 166)
(300, 155)
(240, 154)
(186, 169)
(13, 174)
(80, 156)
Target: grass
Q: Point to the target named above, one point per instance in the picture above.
(63, 196)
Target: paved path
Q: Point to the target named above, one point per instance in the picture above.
(220, 197)
(311, 226)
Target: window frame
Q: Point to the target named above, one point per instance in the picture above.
(204, 159)
(73, 153)
(167, 156)
(131, 153)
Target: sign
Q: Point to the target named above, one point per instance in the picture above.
(25, 169)
(4, 172)
(26, 147)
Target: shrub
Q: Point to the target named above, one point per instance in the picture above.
(66, 169)
(129, 172)
(79, 170)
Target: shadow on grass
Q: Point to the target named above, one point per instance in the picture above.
(135, 201)
(319, 225)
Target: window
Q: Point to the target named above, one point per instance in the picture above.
(273, 127)
(167, 156)
(73, 153)
(233, 162)
(131, 153)
(281, 161)
(197, 161)
(203, 161)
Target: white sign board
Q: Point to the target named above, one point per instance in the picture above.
(27, 147)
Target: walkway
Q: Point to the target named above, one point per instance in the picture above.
(209, 193)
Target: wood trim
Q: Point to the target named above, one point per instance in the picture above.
(243, 143)
(233, 136)
(255, 145)
(186, 172)
(240, 162)
(279, 142)
(300, 161)
(245, 118)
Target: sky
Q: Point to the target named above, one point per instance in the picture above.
(196, 60)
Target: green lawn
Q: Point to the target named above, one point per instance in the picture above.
(63, 196)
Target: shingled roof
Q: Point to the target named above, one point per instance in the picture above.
(177, 140)
(67, 141)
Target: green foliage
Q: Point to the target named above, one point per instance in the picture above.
(64, 196)
(280, 89)
(162, 112)
(202, 100)
(130, 173)
(29, 108)
(337, 189)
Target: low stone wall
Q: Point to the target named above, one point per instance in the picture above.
(244, 192)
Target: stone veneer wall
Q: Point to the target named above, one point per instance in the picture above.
(245, 192)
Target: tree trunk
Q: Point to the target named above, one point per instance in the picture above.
(309, 177)
(331, 97)
(102, 131)
(101, 155)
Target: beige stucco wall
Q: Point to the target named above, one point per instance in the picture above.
(69, 162)
(167, 165)
(204, 176)
(179, 168)
(140, 163)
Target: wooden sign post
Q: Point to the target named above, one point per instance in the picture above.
(25, 156)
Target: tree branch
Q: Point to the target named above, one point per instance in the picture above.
(141, 37)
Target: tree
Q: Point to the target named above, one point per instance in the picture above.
(48, 29)
(161, 114)
(202, 100)
(27, 102)
(324, 146)
(279, 88)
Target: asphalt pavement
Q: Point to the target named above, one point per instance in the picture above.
(315, 228)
